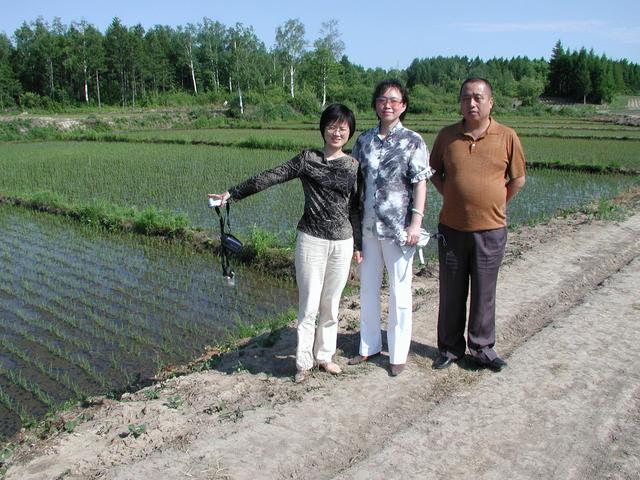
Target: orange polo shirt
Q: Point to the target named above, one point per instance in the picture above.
(474, 175)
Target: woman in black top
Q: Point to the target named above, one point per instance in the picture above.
(326, 232)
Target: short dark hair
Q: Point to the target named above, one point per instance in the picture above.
(385, 85)
(337, 112)
(476, 80)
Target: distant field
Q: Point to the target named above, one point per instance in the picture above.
(546, 144)
(303, 138)
(618, 153)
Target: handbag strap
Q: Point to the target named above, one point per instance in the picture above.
(227, 271)
(224, 218)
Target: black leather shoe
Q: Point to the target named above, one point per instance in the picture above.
(442, 362)
(495, 365)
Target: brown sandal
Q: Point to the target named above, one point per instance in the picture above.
(358, 359)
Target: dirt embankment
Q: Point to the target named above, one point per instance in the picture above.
(568, 405)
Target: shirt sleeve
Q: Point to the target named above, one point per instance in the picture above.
(516, 158)
(355, 151)
(280, 174)
(419, 168)
(435, 159)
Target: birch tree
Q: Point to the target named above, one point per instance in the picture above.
(95, 57)
(77, 55)
(242, 47)
(328, 49)
(211, 39)
(291, 44)
(187, 38)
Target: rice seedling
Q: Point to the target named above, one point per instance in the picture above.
(18, 379)
(12, 406)
(34, 363)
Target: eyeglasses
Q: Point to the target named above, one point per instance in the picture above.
(341, 131)
(393, 101)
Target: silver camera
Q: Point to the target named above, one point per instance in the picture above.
(214, 202)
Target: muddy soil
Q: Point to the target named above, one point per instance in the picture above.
(568, 405)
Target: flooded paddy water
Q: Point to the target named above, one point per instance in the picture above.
(83, 312)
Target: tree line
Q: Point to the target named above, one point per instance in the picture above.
(55, 65)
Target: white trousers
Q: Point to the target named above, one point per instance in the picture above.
(322, 270)
(378, 254)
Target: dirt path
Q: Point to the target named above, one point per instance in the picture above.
(568, 406)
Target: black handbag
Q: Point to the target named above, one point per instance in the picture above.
(231, 243)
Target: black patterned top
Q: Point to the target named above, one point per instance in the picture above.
(331, 206)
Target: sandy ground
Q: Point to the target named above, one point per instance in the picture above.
(567, 407)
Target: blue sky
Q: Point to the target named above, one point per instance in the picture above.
(382, 33)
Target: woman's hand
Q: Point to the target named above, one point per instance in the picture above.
(413, 235)
(223, 197)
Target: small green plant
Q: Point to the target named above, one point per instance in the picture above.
(137, 430)
(174, 402)
(152, 393)
(608, 210)
(262, 240)
(5, 453)
(70, 425)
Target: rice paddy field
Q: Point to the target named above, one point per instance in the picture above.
(84, 311)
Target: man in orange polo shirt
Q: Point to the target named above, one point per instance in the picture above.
(479, 167)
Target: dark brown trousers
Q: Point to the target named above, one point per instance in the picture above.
(475, 258)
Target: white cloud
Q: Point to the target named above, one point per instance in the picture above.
(625, 35)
